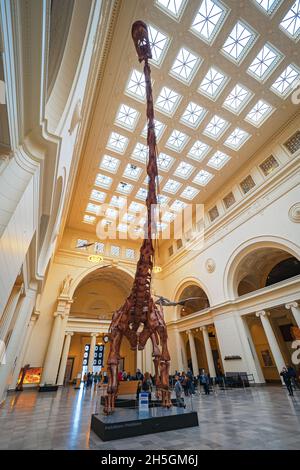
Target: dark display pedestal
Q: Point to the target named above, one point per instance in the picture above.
(132, 422)
(48, 388)
(133, 403)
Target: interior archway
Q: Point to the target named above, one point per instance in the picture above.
(199, 300)
(264, 267)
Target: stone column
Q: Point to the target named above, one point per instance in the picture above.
(193, 353)
(250, 353)
(278, 358)
(295, 309)
(92, 351)
(183, 353)
(56, 340)
(64, 358)
(139, 360)
(208, 351)
(179, 341)
(5, 320)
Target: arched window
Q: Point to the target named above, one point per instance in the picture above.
(199, 300)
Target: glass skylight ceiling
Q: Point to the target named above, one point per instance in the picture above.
(184, 170)
(265, 62)
(178, 205)
(158, 43)
(109, 163)
(117, 142)
(189, 193)
(291, 22)
(284, 83)
(172, 7)
(218, 160)
(215, 127)
(208, 126)
(203, 177)
(237, 99)
(185, 65)
(213, 83)
(259, 113)
(269, 6)
(132, 171)
(198, 150)
(193, 115)
(177, 140)
(127, 117)
(237, 138)
(136, 85)
(167, 100)
(140, 152)
(209, 19)
(239, 41)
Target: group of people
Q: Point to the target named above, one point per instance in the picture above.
(186, 383)
(90, 378)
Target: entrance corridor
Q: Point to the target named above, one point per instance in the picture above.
(256, 418)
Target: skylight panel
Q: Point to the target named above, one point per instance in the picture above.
(132, 171)
(111, 213)
(218, 160)
(172, 7)
(259, 113)
(141, 194)
(193, 115)
(98, 196)
(184, 170)
(127, 117)
(185, 65)
(283, 85)
(203, 177)
(89, 219)
(177, 140)
(209, 19)
(128, 218)
(94, 208)
(291, 22)
(117, 142)
(159, 129)
(122, 228)
(162, 199)
(265, 62)
(178, 205)
(124, 188)
(136, 207)
(158, 43)
(213, 83)
(136, 85)
(167, 216)
(118, 201)
(161, 226)
(216, 127)
(103, 181)
(110, 164)
(198, 151)
(172, 186)
(237, 99)
(236, 139)
(269, 6)
(164, 161)
(167, 101)
(189, 193)
(140, 152)
(158, 179)
(239, 42)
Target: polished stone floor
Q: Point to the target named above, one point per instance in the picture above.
(257, 418)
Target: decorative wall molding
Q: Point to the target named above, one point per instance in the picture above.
(294, 213)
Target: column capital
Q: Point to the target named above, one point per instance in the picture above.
(69, 333)
(291, 305)
(59, 314)
(95, 334)
(262, 313)
(203, 328)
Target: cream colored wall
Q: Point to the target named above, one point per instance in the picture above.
(261, 344)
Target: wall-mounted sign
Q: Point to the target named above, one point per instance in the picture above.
(232, 358)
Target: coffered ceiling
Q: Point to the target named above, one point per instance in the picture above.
(222, 72)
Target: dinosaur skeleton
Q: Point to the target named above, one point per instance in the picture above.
(139, 319)
(163, 301)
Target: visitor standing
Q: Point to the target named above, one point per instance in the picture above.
(287, 380)
(204, 380)
(178, 392)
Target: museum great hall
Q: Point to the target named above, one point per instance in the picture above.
(225, 78)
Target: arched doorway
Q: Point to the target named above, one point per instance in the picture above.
(199, 300)
(264, 267)
(97, 296)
